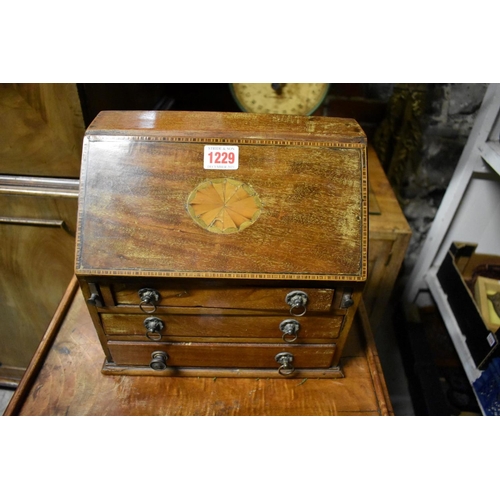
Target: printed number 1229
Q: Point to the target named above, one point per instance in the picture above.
(221, 157)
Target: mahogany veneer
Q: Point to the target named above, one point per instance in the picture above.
(252, 267)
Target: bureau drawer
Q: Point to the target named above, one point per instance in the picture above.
(254, 298)
(204, 326)
(223, 355)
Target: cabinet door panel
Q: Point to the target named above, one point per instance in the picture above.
(41, 130)
(36, 261)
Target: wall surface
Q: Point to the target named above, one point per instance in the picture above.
(420, 142)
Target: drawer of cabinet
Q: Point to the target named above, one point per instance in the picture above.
(253, 298)
(223, 355)
(204, 326)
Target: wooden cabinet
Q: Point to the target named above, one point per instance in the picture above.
(389, 236)
(252, 265)
(41, 132)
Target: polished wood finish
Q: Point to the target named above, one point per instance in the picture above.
(222, 354)
(41, 135)
(177, 124)
(219, 326)
(389, 237)
(44, 347)
(139, 169)
(293, 216)
(41, 128)
(36, 259)
(200, 293)
(65, 378)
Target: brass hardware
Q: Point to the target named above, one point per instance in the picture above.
(347, 300)
(285, 359)
(297, 301)
(290, 328)
(153, 326)
(95, 298)
(158, 360)
(149, 297)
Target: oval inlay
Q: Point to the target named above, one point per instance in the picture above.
(224, 205)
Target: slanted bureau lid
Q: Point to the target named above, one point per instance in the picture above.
(223, 195)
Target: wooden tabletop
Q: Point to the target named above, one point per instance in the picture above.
(64, 378)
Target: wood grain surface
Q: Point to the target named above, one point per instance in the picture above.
(36, 262)
(201, 293)
(134, 218)
(65, 379)
(178, 124)
(220, 327)
(41, 128)
(389, 237)
(222, 354)
(41, 136)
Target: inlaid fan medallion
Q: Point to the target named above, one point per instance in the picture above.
(224, 205)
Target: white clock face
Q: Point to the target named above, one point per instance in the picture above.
(280, 98)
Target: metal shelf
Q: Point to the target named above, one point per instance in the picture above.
(469, 212)
(490, 153)
(454, 331)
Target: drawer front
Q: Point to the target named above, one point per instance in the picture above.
(254, 298)
(223, 355)
(203, 326)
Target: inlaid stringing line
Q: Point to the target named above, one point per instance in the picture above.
(364, 206)
(218, 140)
(81, 198)
(188, 274)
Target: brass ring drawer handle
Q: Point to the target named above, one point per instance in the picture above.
(285, 360)
(149, 297)
(290, 329)
(158, 360)
(297, 301)
(153, 328)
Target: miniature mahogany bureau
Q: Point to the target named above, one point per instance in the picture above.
(222, 244)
